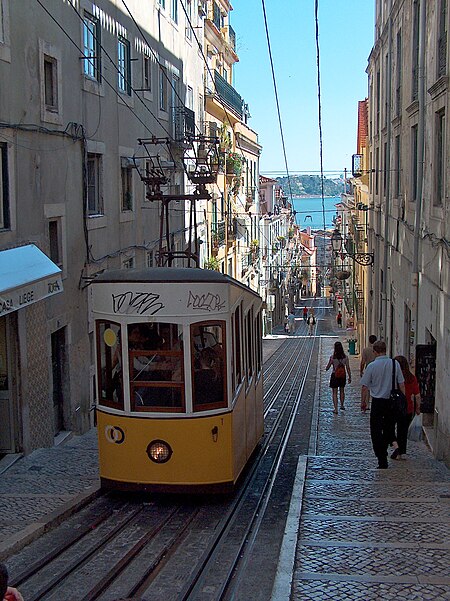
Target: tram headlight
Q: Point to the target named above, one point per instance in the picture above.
(159, 451)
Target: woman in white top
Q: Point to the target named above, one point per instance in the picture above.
(340, 364)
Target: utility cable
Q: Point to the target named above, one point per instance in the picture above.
(319, 100)
(276, 97)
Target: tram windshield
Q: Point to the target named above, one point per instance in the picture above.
(155, 358)
(208, 365)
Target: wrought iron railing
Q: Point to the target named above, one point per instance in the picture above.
(228, 94)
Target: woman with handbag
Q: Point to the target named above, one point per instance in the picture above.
(412, 393)
(339, 362)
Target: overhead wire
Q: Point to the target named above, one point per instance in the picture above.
(319, 100)
(276, 96)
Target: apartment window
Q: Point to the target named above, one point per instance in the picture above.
(150, 259)
(440, 157)
(398, 77)
(189, 19)
(415, 51)
(50, 83)
(147, 74)
(126, 174)
(377, 168)
(387, 100)
(54, 235)
(174, 10)
(124, 65)
(378, 101)
(385, 170)
(91, 47)
(414, 166)
(128, 263)
(4, 188)
(397, 167)
(442, 40)
(163, 88)
(94, 185)
(190, 98)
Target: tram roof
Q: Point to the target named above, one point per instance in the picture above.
(169, 275)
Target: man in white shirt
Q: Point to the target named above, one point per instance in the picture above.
(377, 380)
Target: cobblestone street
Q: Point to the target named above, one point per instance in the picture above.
(354, 532)
(365, 533)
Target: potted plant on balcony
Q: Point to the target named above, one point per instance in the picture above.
(254, 248)
(234, 164)
(212, 263)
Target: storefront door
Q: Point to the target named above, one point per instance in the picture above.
(6, 412)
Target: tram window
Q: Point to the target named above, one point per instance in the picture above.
(249, 346)
(237, 369)
(109, 365)
(156, 367)
(208, 365)
(258, 350)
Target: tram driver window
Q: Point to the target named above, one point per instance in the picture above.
(156, 366)
(208, 365)
(109, 361)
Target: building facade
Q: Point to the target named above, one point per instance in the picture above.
(409, 303)
(81, 82)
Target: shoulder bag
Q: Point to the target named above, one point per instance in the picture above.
(398, 399)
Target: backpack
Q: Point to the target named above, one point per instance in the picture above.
(339, 372)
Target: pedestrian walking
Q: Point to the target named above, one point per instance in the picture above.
(413, 400)
(339, 319)
(291, 323)
(367, 356)
(377, 380)
(340, 364)
(305, 314)
(311, 324)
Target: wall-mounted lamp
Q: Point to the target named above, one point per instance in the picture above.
(361, 258)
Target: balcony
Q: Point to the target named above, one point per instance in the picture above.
(228, 94)
(230, 37)
(183, 123)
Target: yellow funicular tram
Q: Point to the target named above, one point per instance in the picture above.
(179, 378)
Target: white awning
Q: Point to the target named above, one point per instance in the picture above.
(27, 275)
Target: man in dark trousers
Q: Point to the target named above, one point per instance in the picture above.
(377, 380)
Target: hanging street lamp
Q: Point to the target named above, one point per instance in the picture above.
(360, 258)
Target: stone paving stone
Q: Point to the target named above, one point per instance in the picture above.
(45, 482)
(362, 531)
(335, 590)
(368, 534)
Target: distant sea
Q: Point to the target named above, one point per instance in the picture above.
(309, 211)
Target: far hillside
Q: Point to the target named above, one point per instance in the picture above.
(310, 185)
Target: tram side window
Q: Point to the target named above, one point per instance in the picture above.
(237, 357)
(208, 365)
(258, 350)
(249, 345)
(155, 356)
(109, 365)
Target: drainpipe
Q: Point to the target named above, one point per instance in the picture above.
(387, 164)
(420, 159)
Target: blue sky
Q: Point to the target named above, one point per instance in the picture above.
(346, 38)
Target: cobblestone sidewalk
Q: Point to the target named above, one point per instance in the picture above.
(40, 489)
(369, 534)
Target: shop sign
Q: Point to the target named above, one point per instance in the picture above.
(13, 300)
